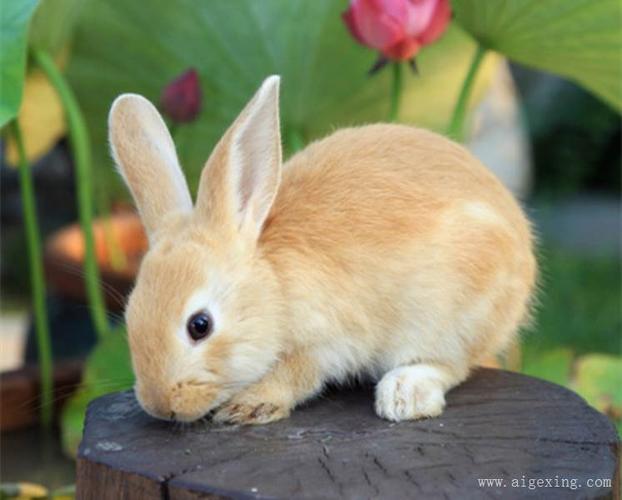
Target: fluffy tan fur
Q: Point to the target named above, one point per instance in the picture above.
(388, 251)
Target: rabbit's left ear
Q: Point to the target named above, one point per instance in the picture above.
(145, 156)
(240, 180)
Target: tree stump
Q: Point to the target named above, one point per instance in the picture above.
(502, 435)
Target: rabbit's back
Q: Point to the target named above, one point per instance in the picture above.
(383, 182)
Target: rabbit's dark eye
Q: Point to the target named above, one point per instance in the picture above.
(199, 326)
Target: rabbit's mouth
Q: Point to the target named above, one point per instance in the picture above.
(184, 402)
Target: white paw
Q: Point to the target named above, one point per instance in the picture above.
(410, 392)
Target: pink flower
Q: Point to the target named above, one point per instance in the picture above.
(181, 99)
(397, 28)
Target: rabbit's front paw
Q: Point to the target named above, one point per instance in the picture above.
(410, 392)
(250, 412)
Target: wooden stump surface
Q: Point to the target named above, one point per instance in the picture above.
(497, 425)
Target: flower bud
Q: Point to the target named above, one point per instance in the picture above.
(181, 99)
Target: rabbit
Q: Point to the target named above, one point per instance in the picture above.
(382, 251)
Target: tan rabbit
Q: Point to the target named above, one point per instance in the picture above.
(382, 250)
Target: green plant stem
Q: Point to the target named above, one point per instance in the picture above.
(396, 91)
(456, 125)
(37, 282)
(82, 160)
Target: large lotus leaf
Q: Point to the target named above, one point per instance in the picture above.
(53, 23)
(14, 21)
(123, 46)
(577, 39)
(41, 116)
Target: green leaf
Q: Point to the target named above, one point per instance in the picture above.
(551, 365)
(577, 39)
(14, 21)
(107, 369)
(123, 46)
(597, 379)
(53, 24)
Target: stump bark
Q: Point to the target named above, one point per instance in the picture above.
(500, 426)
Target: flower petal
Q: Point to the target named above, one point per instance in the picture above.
(377, 28)
(348, 19)
(420, 15)
(438, 24)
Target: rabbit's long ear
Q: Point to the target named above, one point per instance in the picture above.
(241, 177)
(145, 155)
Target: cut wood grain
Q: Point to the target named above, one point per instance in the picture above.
(498, 425)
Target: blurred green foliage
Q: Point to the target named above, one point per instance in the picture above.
(15, 18)
(575, 137)
(597, 379)
(140, 47)
(575, 39)
(579, 304)
(53, 24)
(44, 25)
